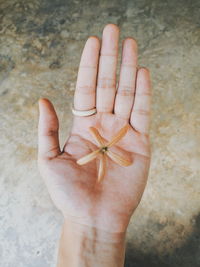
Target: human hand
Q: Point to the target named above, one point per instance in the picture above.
(107, 205)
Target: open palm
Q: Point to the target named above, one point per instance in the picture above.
(74, 189)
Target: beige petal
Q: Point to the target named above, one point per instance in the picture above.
(95, 133)
(88, 157)
(118, 159)
(102, 167)
(118, 136)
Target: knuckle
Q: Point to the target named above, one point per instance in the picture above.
(85, 89)
(125, 92)
(105, 82)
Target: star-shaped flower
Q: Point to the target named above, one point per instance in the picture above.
(104, 150)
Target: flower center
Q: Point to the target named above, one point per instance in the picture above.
(104, 149)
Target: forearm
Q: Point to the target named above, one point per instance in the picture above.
(82, 246)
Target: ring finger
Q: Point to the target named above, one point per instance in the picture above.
(126, 88)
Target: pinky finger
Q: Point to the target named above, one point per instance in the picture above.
(140, 115)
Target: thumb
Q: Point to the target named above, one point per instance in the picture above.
(48, 140)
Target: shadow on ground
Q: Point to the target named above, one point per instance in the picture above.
(188, 255)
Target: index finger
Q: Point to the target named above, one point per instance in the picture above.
(85, 96)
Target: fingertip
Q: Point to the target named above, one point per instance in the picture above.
(143, 75)
(130, 42)
(93, 38)
(43, 100)
(93, 41)
(46, 107)
(40, 103)
(129, 53)
(111, 27)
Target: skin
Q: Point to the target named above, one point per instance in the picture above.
(98, 213)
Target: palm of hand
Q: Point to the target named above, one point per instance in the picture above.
(107, 205)
(73, 188)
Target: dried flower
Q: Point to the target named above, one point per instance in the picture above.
(104, 151)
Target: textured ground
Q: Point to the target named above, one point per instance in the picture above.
(41, 44)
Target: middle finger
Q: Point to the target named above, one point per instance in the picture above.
(106, 81)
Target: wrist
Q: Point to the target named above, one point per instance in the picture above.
(93, 233)
(81, 243)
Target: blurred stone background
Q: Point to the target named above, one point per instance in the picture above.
(40, 48)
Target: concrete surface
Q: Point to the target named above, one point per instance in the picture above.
(41, 44)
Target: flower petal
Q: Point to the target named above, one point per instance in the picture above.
(118, 136)
(88, 157)
(95, 133)
(102, 167)
(118, 159)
